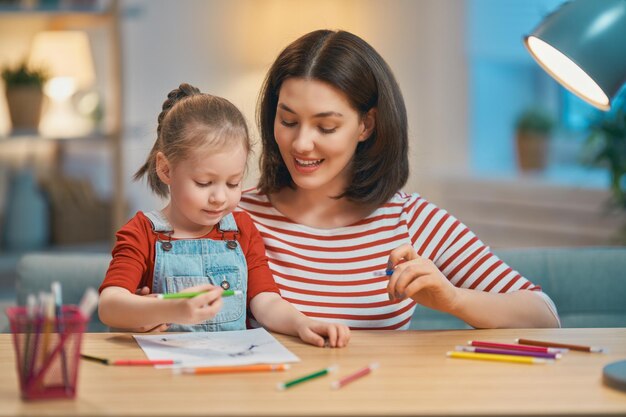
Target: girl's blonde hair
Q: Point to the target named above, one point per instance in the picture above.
(191, 121)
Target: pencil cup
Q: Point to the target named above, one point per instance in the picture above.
(47, 352)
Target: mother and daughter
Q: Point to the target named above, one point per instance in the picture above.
(327, 242)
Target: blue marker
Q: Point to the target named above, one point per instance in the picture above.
(387, 272)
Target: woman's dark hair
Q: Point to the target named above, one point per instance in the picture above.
(191, 121)
(380, 166)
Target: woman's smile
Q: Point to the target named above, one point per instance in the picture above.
(307, 165)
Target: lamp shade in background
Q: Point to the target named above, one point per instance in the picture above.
(66, 55)
(582, 44)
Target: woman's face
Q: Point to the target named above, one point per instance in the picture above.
(317, 132)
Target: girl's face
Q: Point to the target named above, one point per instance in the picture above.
(203, 188)
(317, 132)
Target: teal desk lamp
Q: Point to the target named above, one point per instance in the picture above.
(582, 44)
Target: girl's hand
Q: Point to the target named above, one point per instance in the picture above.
(199, 308)
(314, 332)
(420, 279)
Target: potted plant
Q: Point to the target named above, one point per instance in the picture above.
(24, 92)
(533, 129)
(606, 146)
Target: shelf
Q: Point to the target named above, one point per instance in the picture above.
(61, 8)
(55, 153)
(30, 138)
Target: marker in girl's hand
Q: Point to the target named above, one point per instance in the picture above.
(387, 272)
(225, 293)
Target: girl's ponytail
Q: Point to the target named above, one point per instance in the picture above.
(149, 167)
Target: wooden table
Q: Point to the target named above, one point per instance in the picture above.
(415, 378)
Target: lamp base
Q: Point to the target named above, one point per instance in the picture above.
(614, 375)
(62, 121)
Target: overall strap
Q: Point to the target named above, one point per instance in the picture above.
(228, 227)
(159, 222)
(228, 224)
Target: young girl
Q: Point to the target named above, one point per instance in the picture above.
(330, 209)
(195, 243)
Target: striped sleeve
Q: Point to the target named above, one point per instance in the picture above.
(458, 253)
(463, 258)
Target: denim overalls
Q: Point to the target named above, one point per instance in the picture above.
(183, 263)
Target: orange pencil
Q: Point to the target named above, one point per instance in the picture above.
(234, 369)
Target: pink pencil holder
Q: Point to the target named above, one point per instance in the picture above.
(47, 352)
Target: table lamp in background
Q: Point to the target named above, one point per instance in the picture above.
(582, 45)
(67, 56)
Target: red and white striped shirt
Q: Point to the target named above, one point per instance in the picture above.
(329, 273)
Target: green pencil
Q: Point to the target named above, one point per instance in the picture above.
(226, 293)
(284, 385)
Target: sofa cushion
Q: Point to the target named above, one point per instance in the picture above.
(587, 285)
(76, 272)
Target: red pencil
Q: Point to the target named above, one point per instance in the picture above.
(515, 347)
(353, 377)
(142, 362)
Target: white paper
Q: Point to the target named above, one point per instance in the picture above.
(238, 347)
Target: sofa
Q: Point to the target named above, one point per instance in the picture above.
(588, 285)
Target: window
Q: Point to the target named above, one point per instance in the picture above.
(504, 81)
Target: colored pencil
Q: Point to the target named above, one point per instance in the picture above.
(48, 325)
(31, 305)
(226, 293)
(142, 362)
(88, 303)
(515, 347)
(497, 358)
(267, 367)
(284, 385)
(508, 352)
(57, 294)
(354, 376)
(581, 348)
(129, 362)
(94, 359)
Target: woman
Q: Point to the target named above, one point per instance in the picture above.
(331, 212)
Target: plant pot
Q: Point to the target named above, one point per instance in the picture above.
(24, 108)
(532, 151)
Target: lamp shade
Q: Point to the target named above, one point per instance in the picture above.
(583, 46)
(65, 54)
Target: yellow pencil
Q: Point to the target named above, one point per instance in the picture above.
(497, 357)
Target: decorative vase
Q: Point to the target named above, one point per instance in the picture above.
(532, 151)
(26, 218)
(24, 108)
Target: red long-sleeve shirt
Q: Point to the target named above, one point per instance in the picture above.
(132, 265)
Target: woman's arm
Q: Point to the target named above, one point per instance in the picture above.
(421, 280)
(121, 309)
(278, 315)
(516, 309)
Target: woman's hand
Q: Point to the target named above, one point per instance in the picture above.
(315, 332)
(199, 308)
(420, 279)
(146, 329)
